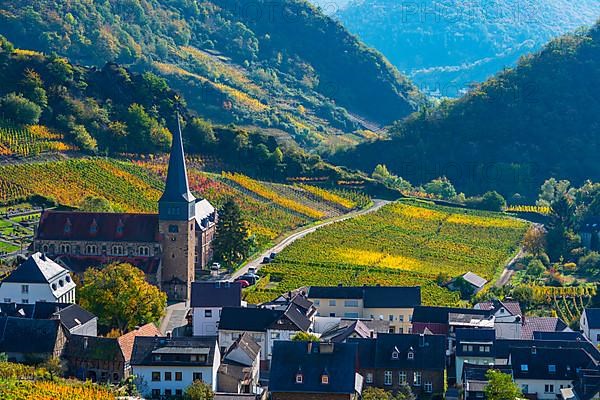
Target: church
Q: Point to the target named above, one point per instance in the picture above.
(170, 247)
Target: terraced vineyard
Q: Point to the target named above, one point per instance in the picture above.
(269, 209)
(29, 140)
(405, 243)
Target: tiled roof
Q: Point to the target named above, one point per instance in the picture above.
(38, 268)
(216, 294)
(246, 344)
(541, 324)
(126, 341)
(512, 307)
(373, 296)
(312, 361)
(593, 317)
(88, 226)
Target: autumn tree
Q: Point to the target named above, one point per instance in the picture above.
(534, 241)
(199, 391)
(501, 386)
(120, 296)
(231, 244)
(305, 337)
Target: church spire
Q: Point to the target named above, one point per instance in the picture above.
(177, 188)
(177, 202)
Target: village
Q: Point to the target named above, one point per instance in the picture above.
(313, 342)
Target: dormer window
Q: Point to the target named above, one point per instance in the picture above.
(411, 354)
(325, 379)
(524, 367)
(394, 355)
(67, 228)
(299, 377)
(120, 227)
(552, 368)
(94, 227)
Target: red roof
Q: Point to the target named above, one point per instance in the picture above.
(111, 227)
(126, 341)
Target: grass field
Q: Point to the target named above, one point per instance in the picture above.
(404, 243)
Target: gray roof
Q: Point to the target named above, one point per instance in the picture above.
(245, 343)
(474, 279)
(144, 347)
(177, 188)
(216, 294)
(36, 269)
(373, 296)
(23, 335)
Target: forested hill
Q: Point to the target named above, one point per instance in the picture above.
(538, 120)
(270, 64)
(447, 44)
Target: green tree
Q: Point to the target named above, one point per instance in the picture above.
(82, 138)
(32, 88)
(199, 391)
(535, 268)
(493, 201)
(551, 191)
(20, 110)
(404, 392)
(200, 134)
(441, 188)
(145, 134)
(590, 263)
(95, 204)
(305, 337)
(501, 386)
(121, 297)
(524, 295)
(54, 366)
(231, 243)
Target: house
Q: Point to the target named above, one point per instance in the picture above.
(475, 380)
(306, 370)
(475, 281)
(474, 346)
(393, 303)
(342, 332)
(105, 360)
(38, 279)
(508, 317)
(73, 318)
(329, 327)
(444, 320)
(391, 360)
(264, 325)
(590, 233)
(240, 368)
(208, 299)
(169, 246)
(590, 324)
(544, 371)
(31, 340)
(166, 366)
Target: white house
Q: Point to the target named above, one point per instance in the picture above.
(590, 324)
(240, 370)
(38, 279)
(207, 301)
(166, 366)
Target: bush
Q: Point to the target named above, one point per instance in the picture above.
(20, 110)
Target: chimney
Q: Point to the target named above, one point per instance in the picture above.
(421, 340)
(85, 343)
(326, 347)
(372, 334)
(169, 334)
(533, 350)
(340, 285)
(43, 257)
(309, 347)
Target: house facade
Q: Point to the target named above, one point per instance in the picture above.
(239, 371)
(392, 360)
(590, 324)
(166, 366)
(169, 246)
(38, 279)
(392, 303)
(31, 340)
(208, 299)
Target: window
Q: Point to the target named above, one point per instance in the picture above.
(168, 392)
(482, 348)
(275, 335)
(299, 378)
(394, 355)
(24, 289)
(144, 251)
(548, 388)
(7, 299)
(351, 315)
(332, 314)
(387, 378)
(24, 301)
(369, 378)
(401, 330)
(465, 347)
(156, 376)
(411, 355)
(350, 303)
(402, 377)
(155, 393)
(552, 368)
(428, 387)
(598, 337)
(177, 376)
(117, 250)
(401, 318)
(168, 376)
(178, 392)
(207, 313)
(417, 378)
(470, 347)
(65, 248)
(197, 376)
(525, 388)
(317, 302)
(173, 229)
(524, 367)
(487, 349)
(325, 379)
(332, 303)
(391, 317)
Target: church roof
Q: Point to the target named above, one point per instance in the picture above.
(177, 188)
(91, 226)
(36, 269)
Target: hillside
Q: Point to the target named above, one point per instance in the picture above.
(404, 243)
(510, 133)
(286, 67)
(445, 45)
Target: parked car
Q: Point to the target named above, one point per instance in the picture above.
(215, 266)
(266, 260)
(251, 279)
(243, 283)
(252, 270)
(272, 256)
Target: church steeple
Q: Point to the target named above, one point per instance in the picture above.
(177, 202)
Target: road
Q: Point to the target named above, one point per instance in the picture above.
(256, 263)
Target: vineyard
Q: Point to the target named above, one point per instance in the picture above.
(270, 209)
(29, 140)
(405, 243)
(567, 302)
(528, 209)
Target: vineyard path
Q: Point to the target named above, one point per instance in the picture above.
(256, 263)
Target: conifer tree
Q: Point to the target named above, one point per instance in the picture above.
(231, 242)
